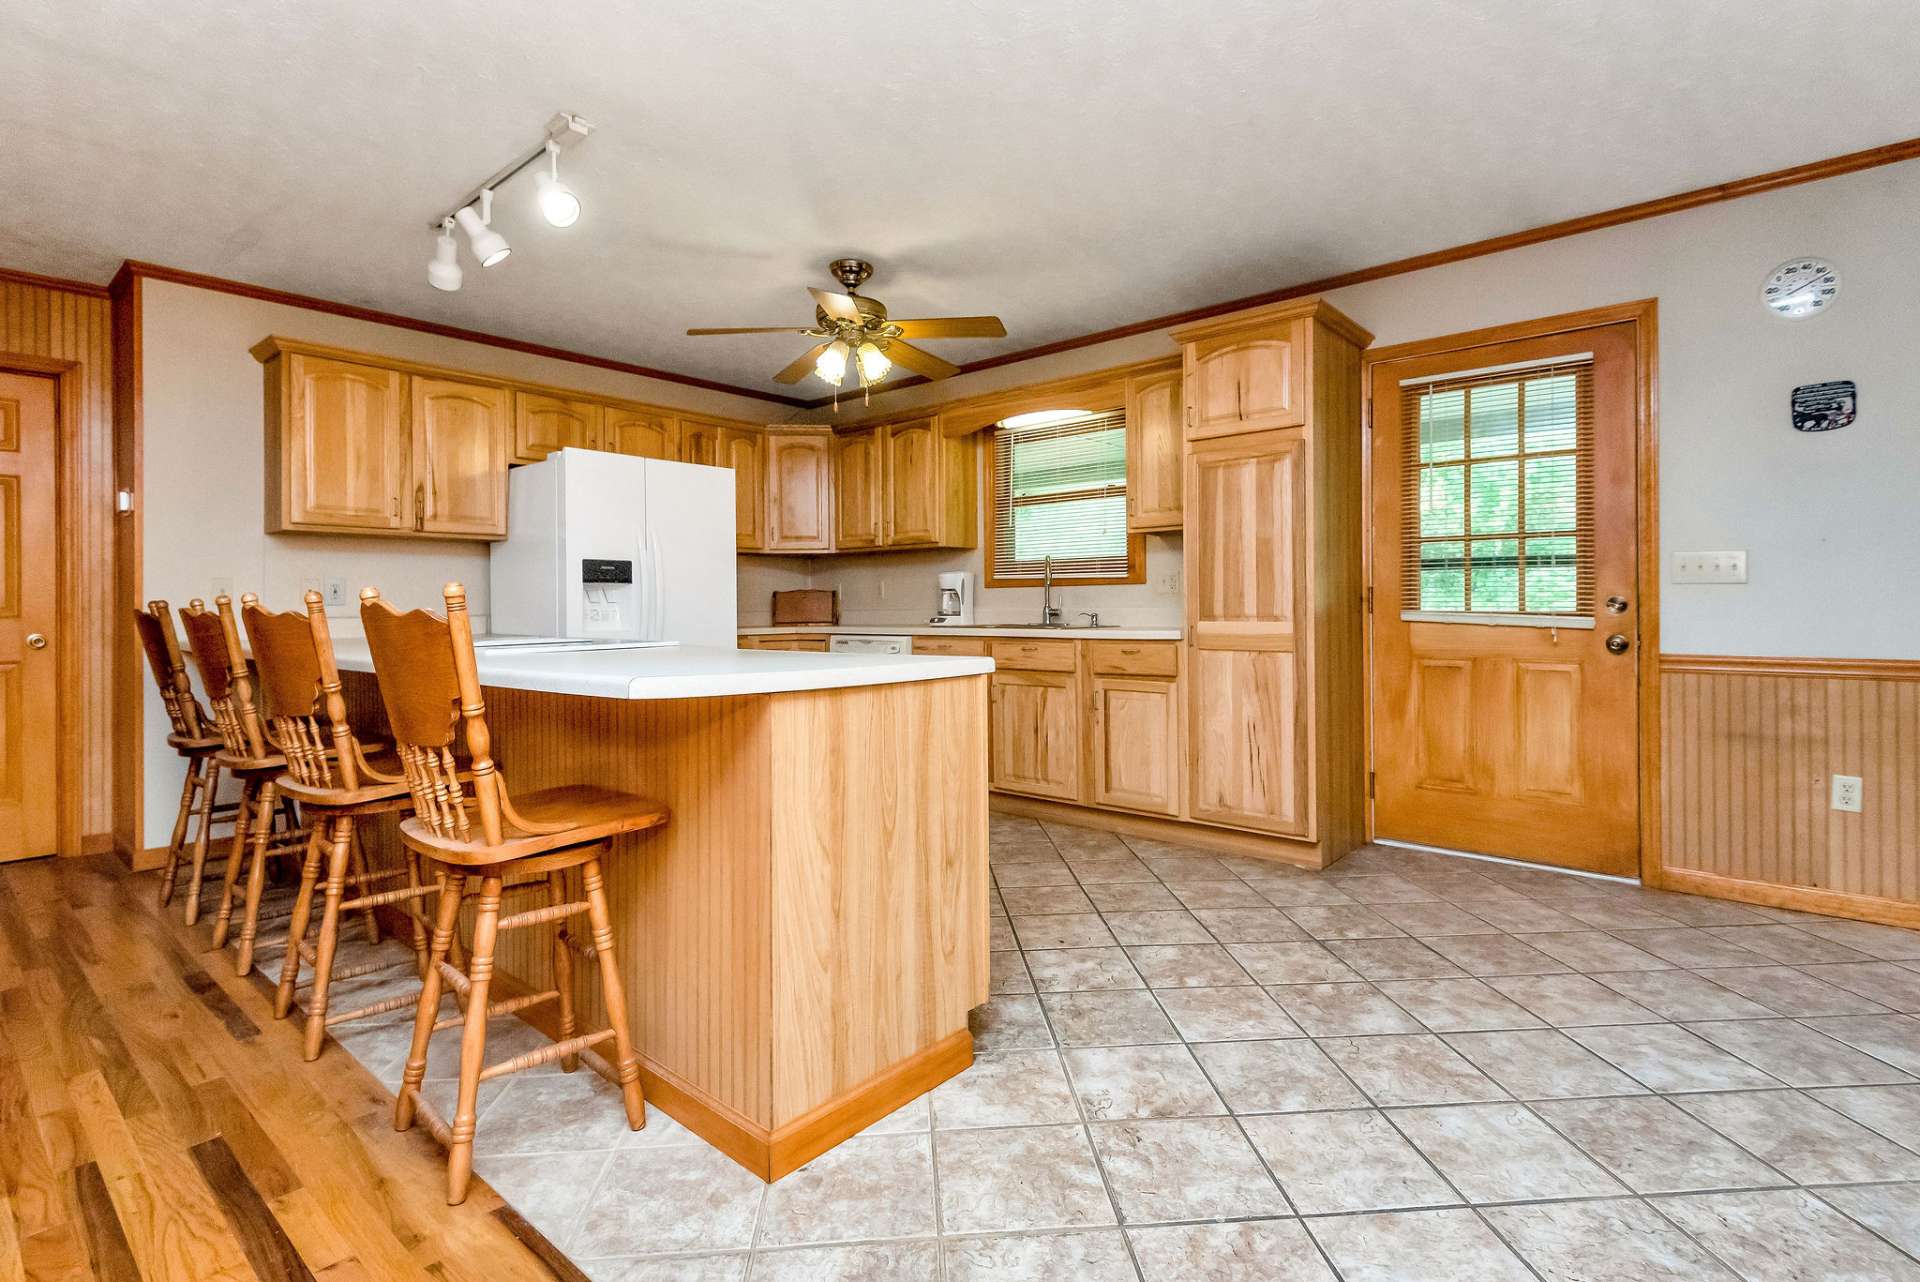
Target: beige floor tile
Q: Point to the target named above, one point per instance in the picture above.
(1594, 951)
(1431, 1246)
(1894, 1039)
(1667, 1058)
(1130, 896)
(1787, 991)
(1184, 1169)
(1216, 894)
(1502, 1153)
(1061, 930)
(1787, 945)
(1344, 921)
(877, 1186)
(1681, 994)
(1187, 965)
(1121, 1082)
(1332, 1163)
(1392, 959)
(1276, 1077)
(1571, 1001)
(1303, 962)
(1343, 1010)
(1250, 1251)
(1226, 1014)
(1033, 1177)
(1120, 1017)
(1157, 926)
(1655, 1147)
(1494, 955)
(1025, 901)
(1006, 1088)
(699, 1200)
(1893, 1111)
(1249, 925)
(1787, 1236)
(1457, 1005)
(1429, 918)
(1542, 1064)
(1037, 873)
(863, 1262)
(731, 1267)
(1892, 985)
(1007, 973)
(1063, 970)
(1891, 1210)
(1098, 1255)
(1009, 1023)
(1612, 1241)
(1802, 1138)
(1796, 1054)
(1403, 1070)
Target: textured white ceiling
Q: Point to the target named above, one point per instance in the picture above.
(1071, 166)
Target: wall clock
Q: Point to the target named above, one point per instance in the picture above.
(1801, 287)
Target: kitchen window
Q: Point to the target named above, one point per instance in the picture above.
(1060, 491)
(1499, 499)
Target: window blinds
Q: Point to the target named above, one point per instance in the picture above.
(1060, 490)
(1497, 509)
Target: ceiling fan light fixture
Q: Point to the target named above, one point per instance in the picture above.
(444, 273)
(488, 245)
(873, 362)
(831, 366)
(558, 204)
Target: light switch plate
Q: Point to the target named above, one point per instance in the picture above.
(1846, 793)
(336, 594)
(1710, 567)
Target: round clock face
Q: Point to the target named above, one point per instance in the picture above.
(1801, 287)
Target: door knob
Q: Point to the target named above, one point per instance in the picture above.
(36, 641)
(1617, 644)
(1616, 605)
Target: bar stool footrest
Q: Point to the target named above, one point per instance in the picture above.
(545, 1055)
(506, 1006)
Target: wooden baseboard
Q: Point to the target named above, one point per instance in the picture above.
(1805, 899)
(1301, 854)
(142, 860)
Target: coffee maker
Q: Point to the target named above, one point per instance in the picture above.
(953, 606)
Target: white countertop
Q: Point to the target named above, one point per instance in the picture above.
(978, 630)
(690, 671)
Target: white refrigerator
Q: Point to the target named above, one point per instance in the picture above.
(607, 546)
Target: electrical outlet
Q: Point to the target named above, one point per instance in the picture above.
(336, 594)
(1710, 567)
(1846, 793)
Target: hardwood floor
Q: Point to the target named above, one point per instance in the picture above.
(156, 1124)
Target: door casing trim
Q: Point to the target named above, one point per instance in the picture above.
(67, 509)
(1644, 315)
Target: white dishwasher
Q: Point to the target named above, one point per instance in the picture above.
(870, 645)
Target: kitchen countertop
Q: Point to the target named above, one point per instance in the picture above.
(977, 630)
(690, 671)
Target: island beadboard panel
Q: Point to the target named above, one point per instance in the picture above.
(772, 936)
(1748, 749)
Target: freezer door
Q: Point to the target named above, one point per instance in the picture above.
(523, 569)
(604, 520)
(688, 581)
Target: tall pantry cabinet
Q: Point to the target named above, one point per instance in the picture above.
(1275, 579)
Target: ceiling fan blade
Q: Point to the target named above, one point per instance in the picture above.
(838, 306)
(920, 362)
(802, 367)
(953, 327)
(755, 329)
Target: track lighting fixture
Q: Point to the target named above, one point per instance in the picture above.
(558, 205)
(444, 271)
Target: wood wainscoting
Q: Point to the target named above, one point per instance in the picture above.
(1748, 748)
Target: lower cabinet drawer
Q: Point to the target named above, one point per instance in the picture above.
(1035, 656)
(791, 643)
(973, 647)
(1134, 658)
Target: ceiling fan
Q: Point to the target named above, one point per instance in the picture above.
(856, 330)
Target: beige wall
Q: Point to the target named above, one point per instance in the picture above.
(203, 485)
(1827, 520)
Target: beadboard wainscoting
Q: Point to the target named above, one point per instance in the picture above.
(1748, 749)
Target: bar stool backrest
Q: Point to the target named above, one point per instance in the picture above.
(425, 665)
(299, 684)
(154, 627)
(223, 675)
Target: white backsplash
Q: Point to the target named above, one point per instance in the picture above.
(897, 588)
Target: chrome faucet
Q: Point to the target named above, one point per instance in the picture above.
(1049, 612)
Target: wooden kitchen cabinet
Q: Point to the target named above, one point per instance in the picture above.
(641, 432)
(930, 483)
(700, 442)
(543, 423)
(460, 436)
(336, 445)
(743, 450)
(799, 499)
(1244, 378)
(1135, 754)
(858, 489)
(1155, 463)
(1033, 721)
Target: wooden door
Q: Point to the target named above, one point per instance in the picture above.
(700, 443)
(344, 446)
(28, 724)
(857, 489)
(460, 434)
(1245, 382)
(1033, 727)
(543, 424)
(744, 452)
(799, 490)
(1504, 635)
(1136, 744)
(1247, 545)
(1155, 459)
(913, 483)
(642, 433)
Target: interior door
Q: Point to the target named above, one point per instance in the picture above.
(27, 706)
(1505, 635)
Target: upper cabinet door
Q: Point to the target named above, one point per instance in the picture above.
(741, 450)
(460, 434)
(343, 448)
(543, 424)
(700, 443)
(914, 483)
(642, 433)
(1155, 462)
(1245, 382)
(857, 488)
(799, 489)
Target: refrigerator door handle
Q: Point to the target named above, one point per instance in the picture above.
(659, 597)
(643, 590)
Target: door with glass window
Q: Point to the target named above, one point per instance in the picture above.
(1504, 637)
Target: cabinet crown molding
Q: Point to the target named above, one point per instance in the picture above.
(1317, 309)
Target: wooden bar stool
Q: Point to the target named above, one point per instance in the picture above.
(330, 776)
(248, 757)
(425, 665)
(193, 735)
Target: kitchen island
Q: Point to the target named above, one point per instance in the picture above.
(803, 941)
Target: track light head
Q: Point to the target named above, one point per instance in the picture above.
(488, 245)
(444, 271)
(558, 205)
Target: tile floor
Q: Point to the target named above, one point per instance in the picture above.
(1213, 1069)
